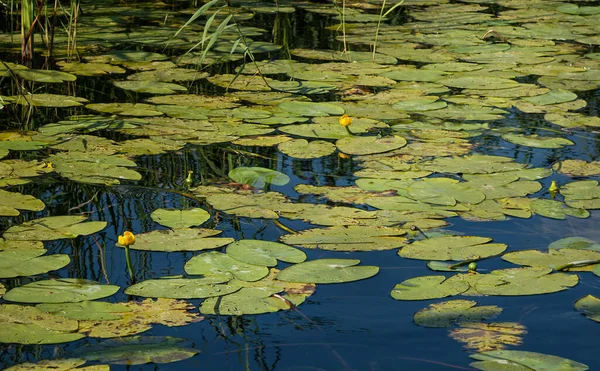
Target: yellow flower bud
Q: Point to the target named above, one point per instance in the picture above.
(553, 187)
(345, 120)
(343, 155)
(126, 239)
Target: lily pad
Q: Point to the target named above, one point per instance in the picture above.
(177, 219)
(355, 145)
(452, 248)
(258, 176)
(557, 259)
(575, 243)
(556, 209)
(301, 148)
(590, 306)
(311, 108)
(60, 291)
(451, 312)
(429, 287)
(22, 263)
(180, 239)
(85, 310)
(521, 360)
(348, 238)
(53, 228)
(11, 201)
(519, 281)
(47, 76)
(216, 263)
(97, 169)
(150, 87)
(483, 337)
(28, 325)
(327, 271)
(266, 253)
(137, 350)
(537, 141)
(184, 288)
(66, 364)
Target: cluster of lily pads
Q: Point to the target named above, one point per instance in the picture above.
(420, 104)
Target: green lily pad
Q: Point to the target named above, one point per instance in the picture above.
(583, 194)
(420, 104)
(537, 141)
(86, 310)
(519, 281)
(60, 291)
(89, 69)
(452, 248)
(429, 287)
(252, 205)
(97, 169)
(168, 75)
(150, 87)
(11, 201)
(575, 243)
(451, 312)
(265, 296)
(126, 109)
(216, 263)
(348, 238)
(184, 288)
(556, 209)
(518, 360)
(47, 76)
(22, 263)
(552, 97)
(177, 219)
(2, 290)
(266, 253)
(28, 325)
(590, 306)
(137, 350)
(578, 167)
(49, 100)
(473, 164)
(557, 259)
(302, 87)
(67, 364)
(180, 239)
(257, 177)
(477, 82)
(301, 148)
(311, 108)
(53, 228)
(327, 271)
(355, 145)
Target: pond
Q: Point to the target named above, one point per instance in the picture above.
(296, 185)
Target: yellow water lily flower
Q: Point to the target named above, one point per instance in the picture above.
(126, 239)
(345, 120)
(553, 187)
(343, 155)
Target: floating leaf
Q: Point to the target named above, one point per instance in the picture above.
(556, 209)
(216, 263)
(521, 360)
(47, 76)
(265, 296)
(137, 350)
(177, 219)
(11, 201)
(266, 253)
(85, 310)
(348, 238)
(150, 87)
(28, 325)
(578, 167)
(452, 312)
(60, 291)
(552, 97)
(258, 176)
(53, 228)
(67, 364)
(590, 306)
(478, 82)
(49, 100)
(180, 240)
(311, 108)
(519, 281)
(301, 148)
(327, 271)
(22, 263)
(537, 141)
(575, 243)
(428, 287)
(355, 145)
(482, 337)
(184, 288)
(557, 259)
(97, 169)
(141, 317)
(452, 248)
